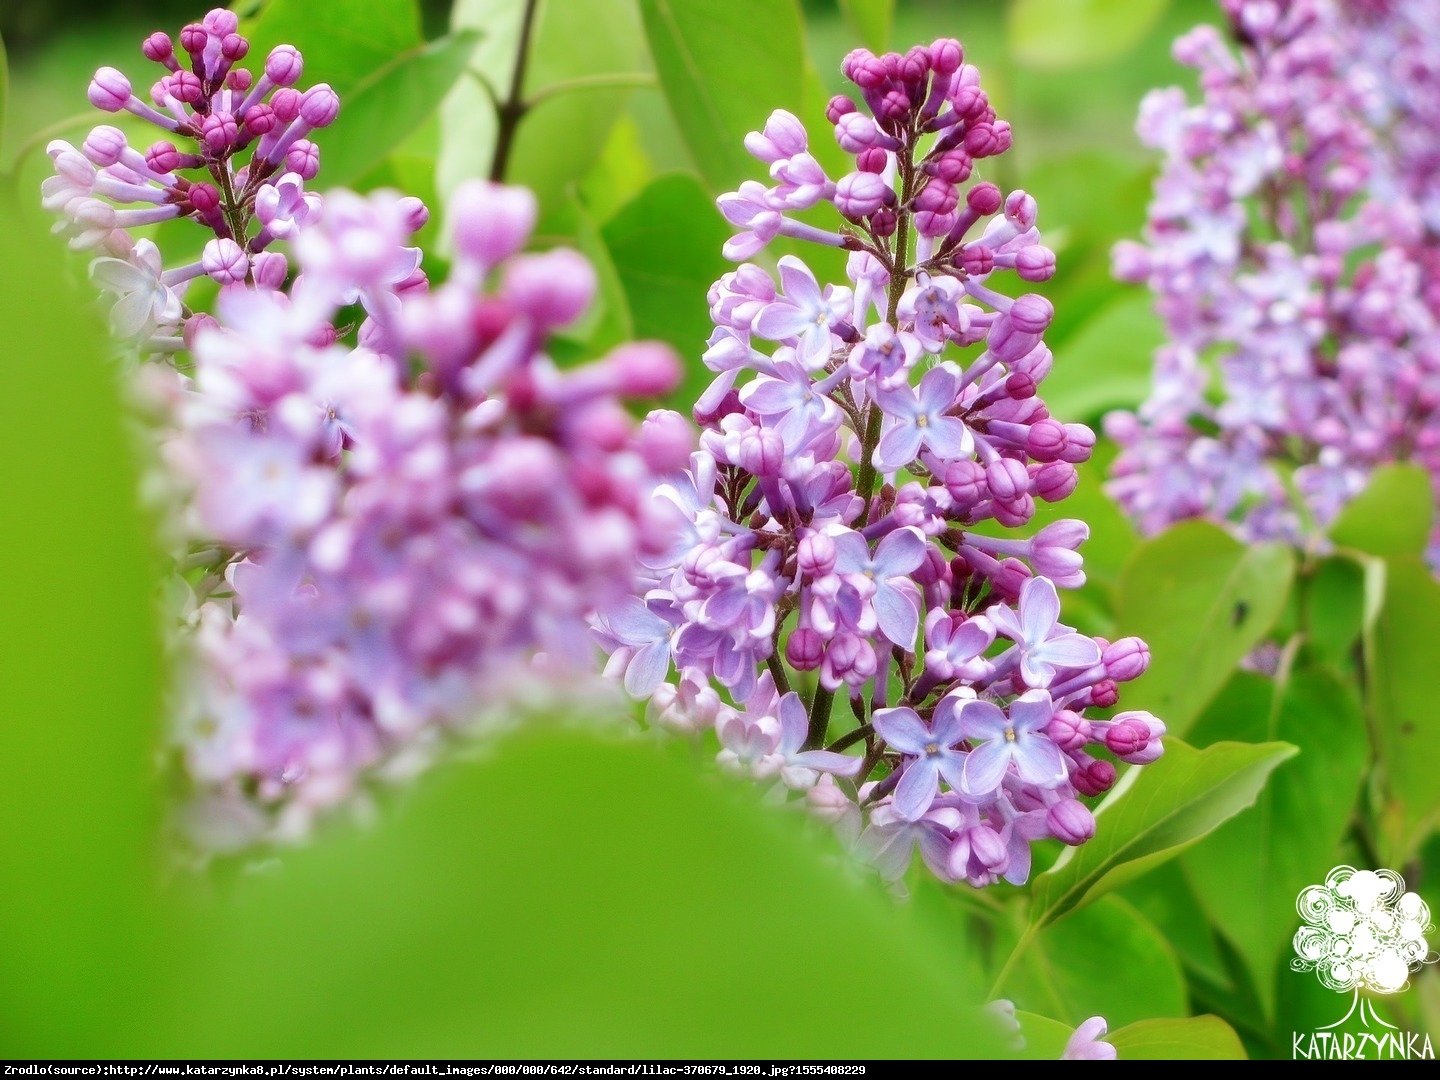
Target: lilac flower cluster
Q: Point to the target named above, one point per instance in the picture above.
(396, 507)
(900, 584)
(213, 113)
(1292, 249)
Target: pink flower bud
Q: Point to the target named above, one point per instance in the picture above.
(1035, 263)
(1126, 659)
(303, 159)
(1070, 821)
(286, 103)
(762, 453)
(816, 554)
(319, 105)
(1095, 778)
(1103, 694)
(1020, 210)
(984, 199)
(805, 649)
(946, 56)
(1079, 443)
(284, 65)
(221, 21)
(270, 269)
(860, 194)
(665, 441)
(1068, 730)
(225, 261)
(1125, 737)
(838, 106)
(965, 481)
(158, 47)
(109, 90)
(553, 289)
(1007, 478)
(643, 368)
(203, 197)
(490, 222)
(104, 145)
(1055, 481)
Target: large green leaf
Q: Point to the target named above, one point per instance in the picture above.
(384, 110)
(1107, 363)
(569, 896)
(872, 21)
(1078, 33)
(1165, 897)
(1202, 600)
(1067, 970)
(1196, 1038)
(344, 42)
(1289, 837)
(724, 66)
(1392, 516)
(1044, 1038)
(666, 247)
(1402, 655)
(1332, 598)
(583, 59)
(1153, 814)
(79, 665)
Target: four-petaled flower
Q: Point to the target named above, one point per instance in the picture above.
(1044, 643)
(919, 419)
(1018, 738)
(887, 570)
(805, 313)
(932, 750)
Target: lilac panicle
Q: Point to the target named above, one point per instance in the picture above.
(851, 524)
(1293, 249)
(234, 155)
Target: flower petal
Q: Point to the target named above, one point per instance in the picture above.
(902, 729)
(984, 768)
(897, 447)
(1038, 760)
(1039, 609)
(647, 669)
(981, 720)
(897, 614)
(917, 788)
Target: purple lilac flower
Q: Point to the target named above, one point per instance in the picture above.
(870, 451)
(234, 156)
(1293, 249)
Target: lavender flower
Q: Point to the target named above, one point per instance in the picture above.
(865, 447)
(1292, 250)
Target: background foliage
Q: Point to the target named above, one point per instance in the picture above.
(571, 896)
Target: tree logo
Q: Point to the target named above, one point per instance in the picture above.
(1362, 931)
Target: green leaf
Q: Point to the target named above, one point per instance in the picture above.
(1165, 897)
(1290, 835)
(79, 663)
(666, 247)
(1067, 970)
(1107, 363)
(1153, 814)
(1392, 516)
(1402, 656)
(1197, 1038)
(568, 896)
(4, 88)
(1078, 33)
(573, 43)
(871, 20)
(1333, 595)
(344, 42)
(724, 66)
(384, 110)
(1202, 600)
(1045, 1039)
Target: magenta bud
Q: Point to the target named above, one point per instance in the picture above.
(762, 452)
(937, 197)
(805, 649)
(1011, 577)
(158, 47)
(234, 47)
(665, 441)
(196, 326)
(1032, 313)
(1046, 440)
(109, 90)
(270, 269)
(284, 65)
(1104, 694)
(953, 166)
(1127, 737)
(219, 132)
(644, 368)
(965, 481)
(987, 848)
(1020, 386)
(286, 103)
(860, 194)
(1079, 443)
(934, 569)
(1055, 481)
(1095, 778)
(895, 105)
(240, 80)
(1007, 478)
(104, 145)
(415, 212)
(982, 141)
(977, 259)
(839, 106)
(873, 160)
(1154, 729)
(1126, 659)
(984, 199)
(260, 120)
(863, 68)
(946, 56)
(1070, 821)
(203, 197)
(1068, 730)
(490, 222)
(553, 289)
(221, 21)
(225, 261)
(1035, 263)
(1020, 210)
(815, 554)
(884, 222)
(319, 105)
(163, 157)
(193, 39)
(303, 159)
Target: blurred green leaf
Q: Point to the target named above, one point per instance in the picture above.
(1202, 600)
(1067, 970)
(1290, 835)
(569, 896)
(1333, 595)
(871, 20)
(1078, 33)
(385, 109)
(1197, 1038)
(79, 666)
(589, 45)
(4, 90)
(1152, 815)
(1165, 897)
(1392, 516)
(344, 42)
(1402, 656)
(1107, 363)
(1045, 1039)
(666, 247)
(620, 173)
(725, 65)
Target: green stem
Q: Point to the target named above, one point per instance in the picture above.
(1009, 966)
(512, 110)
(777, 670)
(819, 717)
(633, 80)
